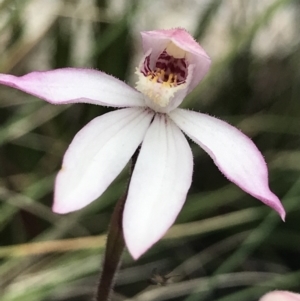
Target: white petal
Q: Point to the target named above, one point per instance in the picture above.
(280, 296)
(234, 153)
(159, 185)
(71, 85)
(97, 154)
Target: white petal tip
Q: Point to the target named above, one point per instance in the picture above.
(135, 256)
(280, 296)
(137, 247)
(65, 206)
(136, 253)
(60, 209)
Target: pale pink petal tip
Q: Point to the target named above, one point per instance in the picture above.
(280, 296)
(280, 209)
(271, 200)
(59, 208)
(282, 215)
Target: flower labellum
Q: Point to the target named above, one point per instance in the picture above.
(172, 66)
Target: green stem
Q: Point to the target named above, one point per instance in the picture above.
(114, 246)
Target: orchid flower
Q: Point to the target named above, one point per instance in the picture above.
(281, 296)
(172, 66)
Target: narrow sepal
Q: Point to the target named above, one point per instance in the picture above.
(158, 187)
(234, 153)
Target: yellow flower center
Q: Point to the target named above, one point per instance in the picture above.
(168, 75)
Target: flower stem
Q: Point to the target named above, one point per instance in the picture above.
(114, 246)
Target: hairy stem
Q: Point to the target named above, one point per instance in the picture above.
(114, 246)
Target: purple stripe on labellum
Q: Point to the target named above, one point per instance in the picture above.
(167, 69)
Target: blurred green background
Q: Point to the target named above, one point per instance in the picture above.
(225, 245)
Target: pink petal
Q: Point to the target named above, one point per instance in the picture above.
(281, 296)
(69, 85)
(157, 40)
(97, 154)
(235, 154)
(159, 185)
